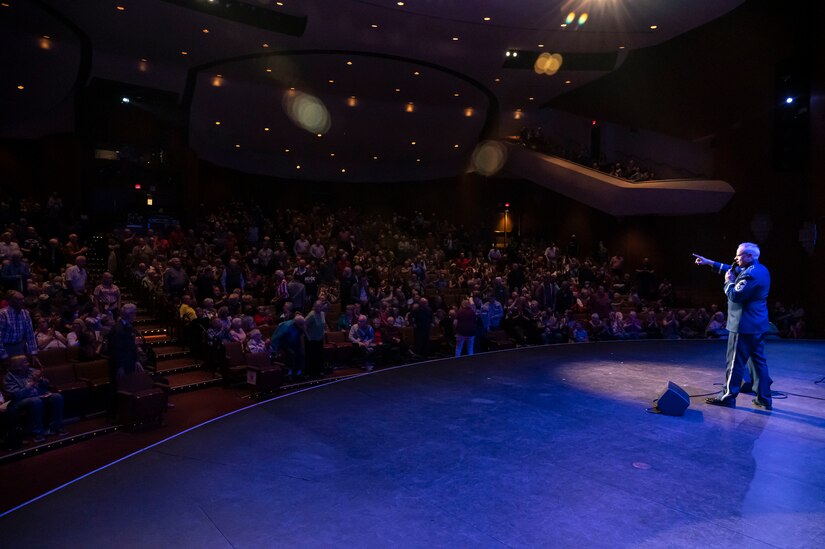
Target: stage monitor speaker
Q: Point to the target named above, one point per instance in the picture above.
(673, 401)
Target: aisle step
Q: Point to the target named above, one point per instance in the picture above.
(179, 365)
(168, 352)
(191, 381)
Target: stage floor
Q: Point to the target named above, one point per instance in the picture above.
(536, 447)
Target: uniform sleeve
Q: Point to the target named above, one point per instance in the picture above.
(742, 290)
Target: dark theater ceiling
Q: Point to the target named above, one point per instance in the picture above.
(398, 90)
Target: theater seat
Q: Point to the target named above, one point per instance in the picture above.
(95, 374)
(63, 380)
(53, 357)
(499, 340)
(337, 347)
(139, 399)
(262, 373)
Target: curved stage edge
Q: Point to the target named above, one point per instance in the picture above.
(535, 447)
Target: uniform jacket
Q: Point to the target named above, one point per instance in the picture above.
(747, 299)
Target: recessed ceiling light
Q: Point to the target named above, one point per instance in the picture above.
(217, 122)
(286, 150)
(279, 3)
(319, 134)
(144, 60)
(621, 47)
(541, 45)
(455, 146)
(120, 8)
(418, 160)
(266, 129)
(416, 73)
(412, 142)
(298, 167)
(183, 52)
(400, 3)
(531, 98)
(205, 31)
(5, 4)
(455, 95)
(567, 82)
(343, 170)
(397, 89)
(21, 87)
(374, 26)
(654, 27)
(498, 80)
(291, 89)
(486, 18)
(563, 25)
(331, 81)
(349, 62)
(455, 38)
(264, 45)
(375, 158)
(332, 154)
(237, 146)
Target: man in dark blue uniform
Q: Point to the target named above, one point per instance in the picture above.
(747, 283)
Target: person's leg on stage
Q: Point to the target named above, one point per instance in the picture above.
(761, 378)
(737, 356)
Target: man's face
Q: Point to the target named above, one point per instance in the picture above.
(743, 257)
(16, 301)
(20, 366)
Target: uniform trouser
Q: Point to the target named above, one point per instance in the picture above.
(747, 352)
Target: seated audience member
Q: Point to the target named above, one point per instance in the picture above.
(362, 336)
(633, 326)
(716, 327)
(579, 334)
(255, 342)
(236, 332)
(28, 390)
(47, 337)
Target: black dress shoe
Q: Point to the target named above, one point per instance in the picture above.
(727, 402)
(747, 388)
(759, 404)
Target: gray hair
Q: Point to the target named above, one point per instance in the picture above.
(750, 248)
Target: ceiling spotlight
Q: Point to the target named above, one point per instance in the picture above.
(789, 100)
(183, 52)
(279, 3)
(410, 107)
(416, 73)
(654, 27)
(298, 167)
(120, 8)
(468, 112)
(621, 47)
(508, 54)
(541, 45)
(319, 134)
(455, 146)
(286, 150)
(567, 82)
(349, 62)
(205, 31)
(352, 101)
(331, 81)
(400, 3)
(374, 26)
(264, 45)
(455, 38)
(563, 25)
(343, 170)
(332, 154)
(412, 142)
(237, 146)
(497, 80)
(397, 89)
(418, 160)
(266, 129)
(531, 98)
(455, 95)
(21, 87)
(515, 54)
(375, 158)
(268, 70)
(122, 99)
(486, 18)
(217, 122)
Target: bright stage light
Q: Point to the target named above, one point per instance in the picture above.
(789, 100)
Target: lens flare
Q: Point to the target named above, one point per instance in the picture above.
(583, 19)
(489, 157)
(570, 17)
(548, 64)
(307, 112)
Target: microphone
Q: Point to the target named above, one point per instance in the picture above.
(734, 268)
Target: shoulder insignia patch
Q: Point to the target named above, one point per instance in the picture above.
(740, 285)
